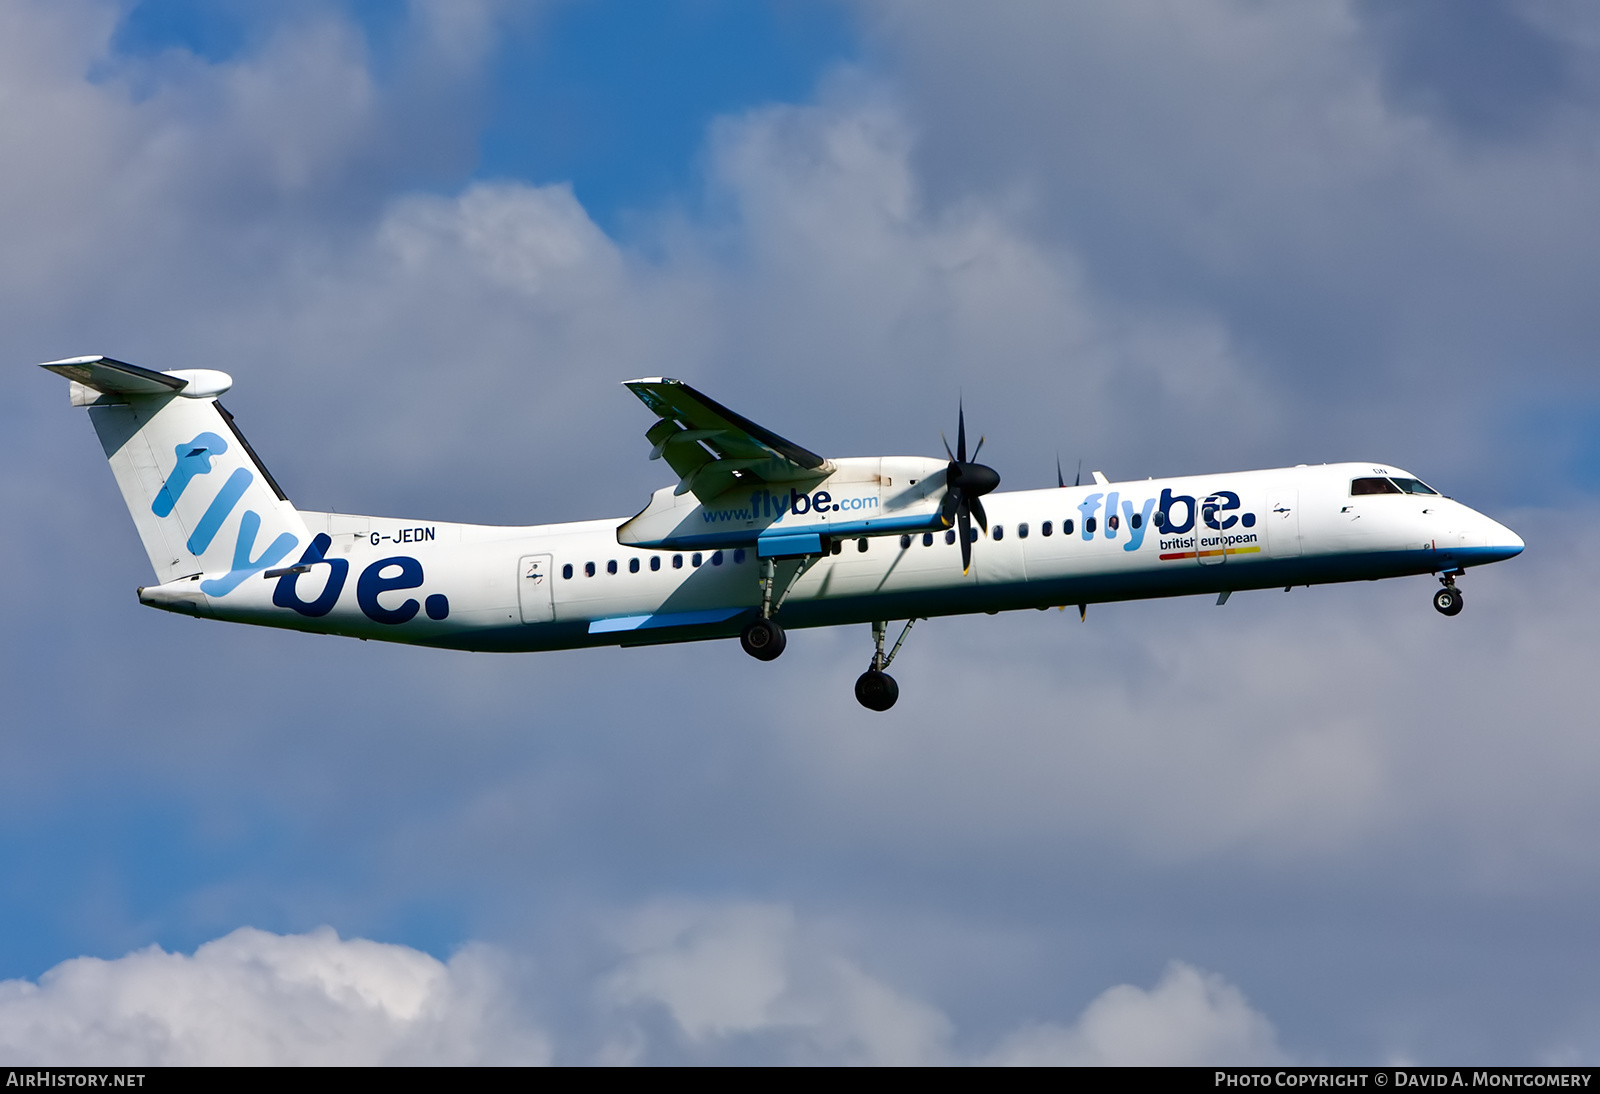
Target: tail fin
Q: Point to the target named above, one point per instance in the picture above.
(201, 499)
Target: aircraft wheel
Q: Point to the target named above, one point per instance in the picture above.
(763, 639)
(876, 690)
(1448, 600)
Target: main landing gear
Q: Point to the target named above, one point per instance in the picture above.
(1447, 601)
(876, 689)
(764, 639)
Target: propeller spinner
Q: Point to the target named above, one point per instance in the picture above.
(966, 482)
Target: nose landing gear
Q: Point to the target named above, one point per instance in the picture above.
(1447, 601)
(876, 689)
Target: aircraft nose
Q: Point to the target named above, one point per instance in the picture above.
(1502, 542)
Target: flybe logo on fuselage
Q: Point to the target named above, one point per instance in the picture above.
(1221, 531)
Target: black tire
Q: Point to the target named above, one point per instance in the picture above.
(764, 640)
(876, 690)
(1447, 601)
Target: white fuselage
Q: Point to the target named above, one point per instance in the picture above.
(477, 587)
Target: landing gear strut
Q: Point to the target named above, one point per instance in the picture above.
(763, 639)
(876, 689)
(1447, 601)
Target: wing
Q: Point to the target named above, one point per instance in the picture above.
(712, 448)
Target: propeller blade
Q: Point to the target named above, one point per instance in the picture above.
(1061, 480)
(977, 511)
(947, 451)
(961, 433)
(947, 509)
(965, 522)
(1078, 479)
(975, 451)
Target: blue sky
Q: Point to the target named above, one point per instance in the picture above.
(611, 96)
(428, 241)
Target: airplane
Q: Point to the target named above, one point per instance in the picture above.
(757, 537)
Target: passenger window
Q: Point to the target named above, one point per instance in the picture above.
(716, 559)
(1135, 520)
(838, 545)
(950, 536)
(927, 539)
(972, 535)
(1046, 529)
(611, 567)
(1022, 530)
(905, 541)
(1066, 527)
(1091, 524)
(1113, 522)
(677, 562)
(588, 569)
(633, 565)
(861, 544)
(566, 571)
(1373, 486)
(999, 533)
(738, 555)
(655, 562)
(696, 559)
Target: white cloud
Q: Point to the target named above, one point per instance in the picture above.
(264, 999)
(725, 971)
(731, 977)
(1190, 1018)
(759, 972)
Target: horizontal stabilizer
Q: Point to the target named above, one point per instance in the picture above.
(116, 377)
(94, 378)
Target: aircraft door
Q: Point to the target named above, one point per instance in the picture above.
(535, 589)
(1283, 522)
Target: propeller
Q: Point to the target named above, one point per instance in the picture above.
(965, 482)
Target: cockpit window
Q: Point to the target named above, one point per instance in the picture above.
(1373, 486)
(1415, 486)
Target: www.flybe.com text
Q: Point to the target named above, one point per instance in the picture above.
(764, 504)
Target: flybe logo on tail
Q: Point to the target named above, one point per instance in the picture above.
(193, 460)
(386, 575)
